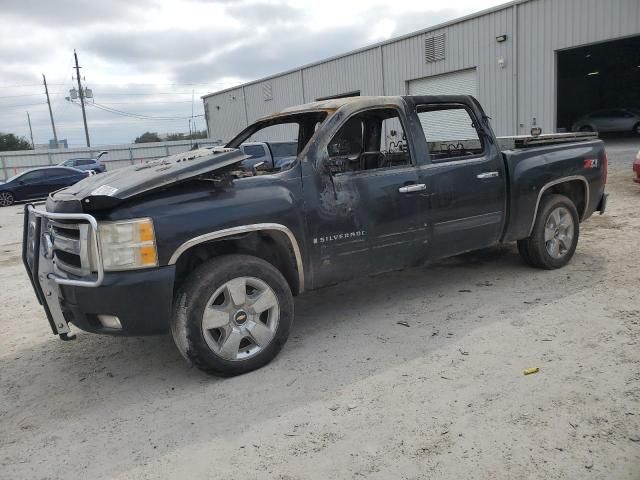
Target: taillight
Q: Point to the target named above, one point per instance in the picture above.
(605, 168)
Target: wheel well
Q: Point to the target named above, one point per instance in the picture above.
(270, 245)
(575, 190)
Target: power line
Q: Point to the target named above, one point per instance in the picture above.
(28, 85)
(23, 105)
(140, 115)
(23, 95)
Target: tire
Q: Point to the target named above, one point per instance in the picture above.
(6, 199)
(554, 238)
(586, 128)
(232, 338)
(636, 129)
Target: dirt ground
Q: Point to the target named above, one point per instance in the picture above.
(354, 394)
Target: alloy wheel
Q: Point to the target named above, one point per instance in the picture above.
(558, 232)
(240, 318)
(6, 199)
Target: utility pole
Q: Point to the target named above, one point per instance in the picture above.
(53, 125)
(81, 93)
(33, 145)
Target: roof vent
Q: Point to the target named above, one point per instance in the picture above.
(434, 48)
(267, 91)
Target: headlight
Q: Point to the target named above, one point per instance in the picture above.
(128, 244)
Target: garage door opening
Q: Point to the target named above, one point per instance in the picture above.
(599, 87)
(464, 82)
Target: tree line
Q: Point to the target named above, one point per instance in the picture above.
(148, 137)
(11, 142)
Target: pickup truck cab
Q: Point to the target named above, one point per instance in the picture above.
(194, 244)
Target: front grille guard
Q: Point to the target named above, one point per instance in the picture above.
(39, 262)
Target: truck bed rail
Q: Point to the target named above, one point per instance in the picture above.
(523, 141)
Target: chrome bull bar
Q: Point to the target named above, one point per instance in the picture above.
(40, 262)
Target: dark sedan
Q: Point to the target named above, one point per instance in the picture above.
(38, 183)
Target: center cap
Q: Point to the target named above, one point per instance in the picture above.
(240, 317)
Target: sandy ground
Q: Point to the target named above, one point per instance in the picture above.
(354, 394)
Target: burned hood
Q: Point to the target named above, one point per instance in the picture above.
(106, 190)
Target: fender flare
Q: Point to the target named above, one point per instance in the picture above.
(229, 232)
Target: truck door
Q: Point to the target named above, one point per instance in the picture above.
(465, 178)
(368, 213)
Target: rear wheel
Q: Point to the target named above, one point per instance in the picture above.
(586, 128)
(554, 238)
(232, 315)
(6, 199)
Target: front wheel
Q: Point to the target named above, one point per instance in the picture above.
(554, 238)
(6, 199)
(233, 315)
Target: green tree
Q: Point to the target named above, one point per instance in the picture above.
(147, 137)
(9, 142)
(186, 136)
(199, 134)
(175, 136)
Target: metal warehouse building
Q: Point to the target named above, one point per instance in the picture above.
(529, 62)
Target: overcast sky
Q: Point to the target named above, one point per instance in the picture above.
(150, 56)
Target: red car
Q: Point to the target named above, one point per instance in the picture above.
(636, 168)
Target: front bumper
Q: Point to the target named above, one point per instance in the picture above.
(141, 299)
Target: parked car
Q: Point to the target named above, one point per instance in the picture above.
(273, 155)
(195, 245)
(609, 120)
(636, 168)
(38, 183)
(93, 164)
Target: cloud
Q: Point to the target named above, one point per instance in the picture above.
(161, 45)
(258, 13)
(74, 12)
(290, 46)
(259, 57)
(152, 46)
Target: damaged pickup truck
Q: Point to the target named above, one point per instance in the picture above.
(195, 245)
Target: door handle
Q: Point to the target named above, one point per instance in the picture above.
(488, 175)
(416, 187)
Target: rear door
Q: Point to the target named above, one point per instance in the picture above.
(465, 177)
(31, 185)
(58, 178)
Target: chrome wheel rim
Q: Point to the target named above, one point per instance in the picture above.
(558, 232)
(240, 318)
(6, 199)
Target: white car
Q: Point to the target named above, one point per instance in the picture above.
(609, 120)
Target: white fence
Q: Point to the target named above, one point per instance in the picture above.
(12, 163)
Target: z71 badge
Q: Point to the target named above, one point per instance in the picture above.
(334, 237)
(591, 163)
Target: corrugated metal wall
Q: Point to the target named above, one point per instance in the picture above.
(227, 114)
(512, 94)
(357, 72)
(545, 26)
(469, 44)
(12, 163)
